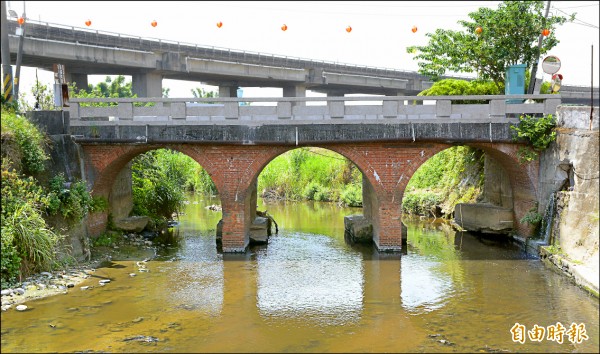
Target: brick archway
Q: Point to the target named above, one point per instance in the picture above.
(386, 169)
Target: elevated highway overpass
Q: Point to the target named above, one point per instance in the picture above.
(148, 61)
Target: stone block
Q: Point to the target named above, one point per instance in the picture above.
(484, 218)
(132, 223)
(258, 230)
(358, 229)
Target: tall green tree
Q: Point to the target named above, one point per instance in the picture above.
(199, 92)
(111, 88)
(509, 35)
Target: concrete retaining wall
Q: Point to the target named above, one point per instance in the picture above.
(571, 166)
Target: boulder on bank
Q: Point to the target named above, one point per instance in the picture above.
(484, 218)
(132, 223)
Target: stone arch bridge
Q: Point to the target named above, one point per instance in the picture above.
(387, 138)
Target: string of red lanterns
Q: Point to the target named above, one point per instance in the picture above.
(284, 28)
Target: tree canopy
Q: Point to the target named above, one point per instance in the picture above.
(509, 35)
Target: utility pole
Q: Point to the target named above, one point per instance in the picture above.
(539, 49)
(7, 78)
(21, 32)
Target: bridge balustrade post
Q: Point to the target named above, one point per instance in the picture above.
(443, 108)
(231, 110)
(336, 109)
(178, 111)
(550, 105)
(390, 109)
(497, 109)
(74, 113)
(125, 110)
(284, 110)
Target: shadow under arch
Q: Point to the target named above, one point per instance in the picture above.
(514, 185)
(368, 183)
(105, 164)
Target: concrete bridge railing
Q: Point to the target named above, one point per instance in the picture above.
(310, 110)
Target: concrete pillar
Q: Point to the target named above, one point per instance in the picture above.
(295, 91)
(228, 91)
(80, 80)
(147, 85)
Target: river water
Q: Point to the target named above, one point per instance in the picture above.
(308, 291)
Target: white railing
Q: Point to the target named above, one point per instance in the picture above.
(307, 110)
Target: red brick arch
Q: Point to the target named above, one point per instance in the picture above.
(386, 166)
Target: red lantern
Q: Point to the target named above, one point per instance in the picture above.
(21, 20)
(219, 24)
(545, 32)
(154, 23)
(414, 29)
(88, 23)
(348, 29)
(284, 27)
(478, 30)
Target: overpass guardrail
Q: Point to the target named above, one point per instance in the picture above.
(307, 110)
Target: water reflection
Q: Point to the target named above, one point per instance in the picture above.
(430, 271)
(195, 269)
(304, 276)
(308, 291)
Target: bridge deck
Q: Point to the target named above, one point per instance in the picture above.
(286, 120)
(307, 110)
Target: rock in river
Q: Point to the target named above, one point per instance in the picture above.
(21, 307)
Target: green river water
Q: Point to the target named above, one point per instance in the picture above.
(309, 291)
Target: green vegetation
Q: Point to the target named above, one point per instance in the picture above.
(533, 218)
(509, 35)
(73, 203)
(452, 176)
(454, 87)
(23, 143)
(28, 243)
(312, 174)
(539, 132)
(107, 239)
(160, 180)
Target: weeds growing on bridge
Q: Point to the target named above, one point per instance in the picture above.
(539, 132)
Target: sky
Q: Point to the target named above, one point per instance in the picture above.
(381, 31)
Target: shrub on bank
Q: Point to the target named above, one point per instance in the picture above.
(28, 243)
